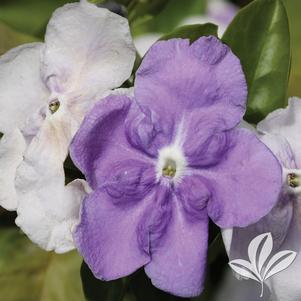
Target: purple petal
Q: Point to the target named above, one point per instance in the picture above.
(101, 140)
(175, 76)
(245, 184)
(129, 181)
(107, 236)
(204, 136)
(156, 218)
(194, 193)
(146, 131)
(178, 262)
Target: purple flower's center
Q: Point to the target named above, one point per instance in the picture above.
(171, 163)
(170, 169)
(54, 106)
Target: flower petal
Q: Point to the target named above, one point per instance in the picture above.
(129, 181)
(47, 209)
(277, 221)
(245, 184)
(204, 137)
(284, 224)
(281, 149)
(107, 236)
(175, 76)
(48, 212)
(88, 50)
(146, 131)
(22, 91)
(194, 194)
(285, 285)
(286, 123)
(101, 140)
(178, 262)
(12, 147)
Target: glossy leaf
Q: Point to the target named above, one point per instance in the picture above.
(173, 14)
(138, 8)
(259, 36)
(28, 273)
(192, 32)
(122, 2)
(293, 9)
(96, 290)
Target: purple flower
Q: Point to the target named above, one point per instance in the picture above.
(162, 163)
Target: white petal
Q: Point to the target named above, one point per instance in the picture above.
(227, 238)
(12, 146)
(48, 214)
(285, 286)
(241, 289)
(281, 149)
(144, 42)
(286, 123)
(88, 51)
(22, 91)
(47, 209)
(245, 125)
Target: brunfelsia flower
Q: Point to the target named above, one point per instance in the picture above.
(280, 131)
(162, 163)
(45, 90)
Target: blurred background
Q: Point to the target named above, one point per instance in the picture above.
(30, 274)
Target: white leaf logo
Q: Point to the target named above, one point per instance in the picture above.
(259, 268)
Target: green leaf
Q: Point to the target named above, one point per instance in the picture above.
(140, 8)
(170, 17)
(122, 2)
(192, 32)
(143, 289)
(28, 273)
(10, 38)
(96, 290)
(28, 16)
(259, 36)
(293, 9)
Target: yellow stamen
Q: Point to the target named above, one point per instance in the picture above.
(54, 106)
(169, 171)
(293, 180)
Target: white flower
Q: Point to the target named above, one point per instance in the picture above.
(281, 132)
(45, 91)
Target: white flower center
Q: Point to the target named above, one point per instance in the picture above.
(171, 163)
(54, 106)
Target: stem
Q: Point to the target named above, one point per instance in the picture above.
(261, 293)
